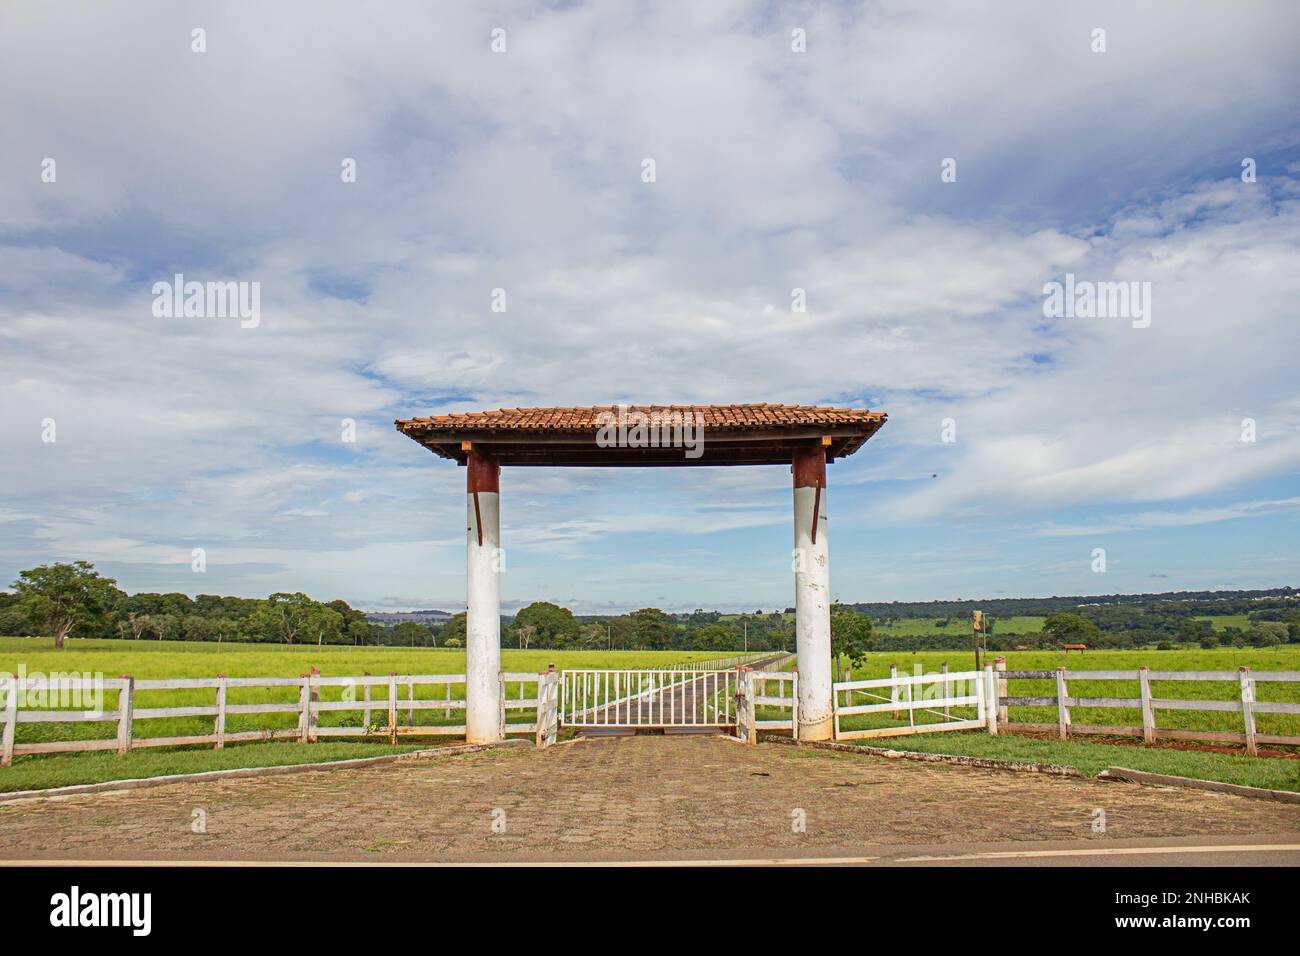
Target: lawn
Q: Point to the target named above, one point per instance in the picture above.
(926, 626)
(1273, 773)
(168, 659)
(40, 771)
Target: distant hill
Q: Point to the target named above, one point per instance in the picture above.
(1205, 602)
(397, 617)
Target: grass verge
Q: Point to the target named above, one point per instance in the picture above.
(1273, 773)
(41, 771)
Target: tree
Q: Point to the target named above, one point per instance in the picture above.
(454, 630)
(409, 633)
(61, 597)
(714, 637)
(14, 623)
(286, 617)
(525, 634)
(1067, 628)
(1268, 634)
(850, 636)
(652, 629)
(552, 626)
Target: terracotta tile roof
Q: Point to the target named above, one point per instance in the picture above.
(732, 434)
(718, 417)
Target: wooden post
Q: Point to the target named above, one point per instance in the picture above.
(501, 705)
(750, 708)
(11, 719)
(125, 712)
(893, 689)
(990, 699)
(365, 714)
(219, 729)
(313, 715)
(947, 689)
(794, 704)
(410, 696)
(1001, 668)
(392, 707)
(304, 707)
(543, 689)
(1148, 712)
(1062, 709)
(1248, 709)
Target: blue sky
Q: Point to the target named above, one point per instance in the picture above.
(775, 170)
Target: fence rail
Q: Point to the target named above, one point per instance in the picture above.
(719, 663)
(1149, 705)
(358, 696)
(949, 690)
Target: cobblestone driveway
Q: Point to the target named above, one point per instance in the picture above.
(615, 797)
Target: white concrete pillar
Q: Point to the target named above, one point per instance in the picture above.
(483, 615)
(812, 595)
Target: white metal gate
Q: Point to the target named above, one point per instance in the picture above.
(647, 698)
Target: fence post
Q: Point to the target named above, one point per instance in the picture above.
(947, 689)
(1248, 709)
(11, 719)
(501, 701)
(219, 729)
(1062, 709)
(750, 708)
(990, 699)
(539, 732)
(410, 696)
(392, 707)
(1001, 667)
(125, 713)
(313, 714)
(304, 708)
(794, 705)
(893, 689)
(365, 714)
(1148, 712)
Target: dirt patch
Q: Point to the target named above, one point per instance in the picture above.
(1163, 744)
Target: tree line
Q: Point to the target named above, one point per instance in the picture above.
(74, 600)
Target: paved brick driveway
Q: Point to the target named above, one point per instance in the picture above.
(619, 797)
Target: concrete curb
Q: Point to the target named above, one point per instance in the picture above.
(139, 783)
(1125, 775)
(986, 763)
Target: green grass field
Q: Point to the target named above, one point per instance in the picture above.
(167, 659)
(176, 659)
(925, 626)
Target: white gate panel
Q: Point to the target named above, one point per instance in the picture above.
(647, 698)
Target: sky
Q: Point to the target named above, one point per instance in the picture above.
(921, 171)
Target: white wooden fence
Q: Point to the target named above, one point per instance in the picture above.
(987, 691)
(909, 694)
(754, 690)
(1149, 705)
(358, 695)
